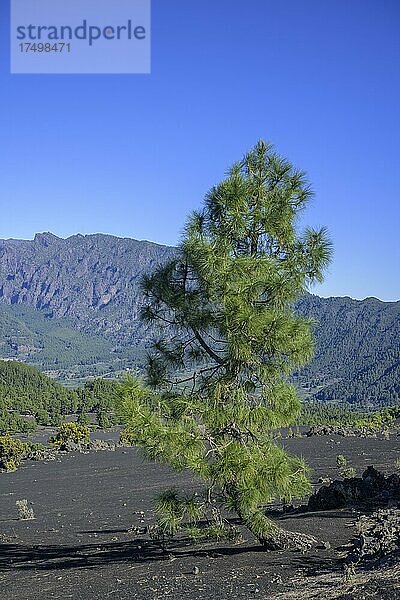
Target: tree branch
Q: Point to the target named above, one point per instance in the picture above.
(207, 348)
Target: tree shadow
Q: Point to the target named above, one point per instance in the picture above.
(144, 550)
(49, 557)
(106, 531)
(138, 551)
(344, 513)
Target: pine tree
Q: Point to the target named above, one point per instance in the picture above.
(217, 380)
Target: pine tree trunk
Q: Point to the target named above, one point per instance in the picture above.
(273, 537)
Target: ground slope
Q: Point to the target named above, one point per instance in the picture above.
(87, 541)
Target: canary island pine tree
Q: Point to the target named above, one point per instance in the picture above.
(218, 377)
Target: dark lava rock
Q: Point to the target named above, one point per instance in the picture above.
(377, 535)
(92, 446)
(41, 454)
(289, 540)
(324, 546)
(71, 446)
(97, 445)
(342, 430)
(372, 486)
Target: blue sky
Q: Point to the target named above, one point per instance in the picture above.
(132, 155)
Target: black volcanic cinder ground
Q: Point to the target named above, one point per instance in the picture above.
(83, 544)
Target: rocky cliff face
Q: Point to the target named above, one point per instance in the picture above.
(92, 280)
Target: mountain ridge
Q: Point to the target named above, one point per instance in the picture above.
(79, 276)
(39, 236)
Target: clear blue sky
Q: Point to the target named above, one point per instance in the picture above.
(132, 155)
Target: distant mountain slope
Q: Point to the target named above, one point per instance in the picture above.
(55, 345)
(357, 350)
(93, 279)
(26, 332)
(91, 283)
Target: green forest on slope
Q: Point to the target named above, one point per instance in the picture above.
(55, 345)
(29, 398)
(357, 350)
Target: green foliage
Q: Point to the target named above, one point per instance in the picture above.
(357, 356)
(329, 413)
(172, 510)
(29, 398)
(32, 448)
(127, 437)
(83, 418)
(341, 461)
(358, 351)
(73, 432)
(11, 423)
(218, 376)
(348, 473)
(26, 391)
(47, 342)
(185, 514)
(11, 452)
(105, 420)
(99, 396)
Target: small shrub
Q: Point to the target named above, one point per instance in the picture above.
(39, 452)
(24, 511)
(11, 453)
(345, 471)
(104, 420)
(397, 464)
(83, 418)
(349, 573)
(127, 437)
(348, 473)
(70, 432)
(42, 417)
(341, 461)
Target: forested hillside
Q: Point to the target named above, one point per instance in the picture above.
(56, 346)
(26, 391)
(357, 350)
(29, 398)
